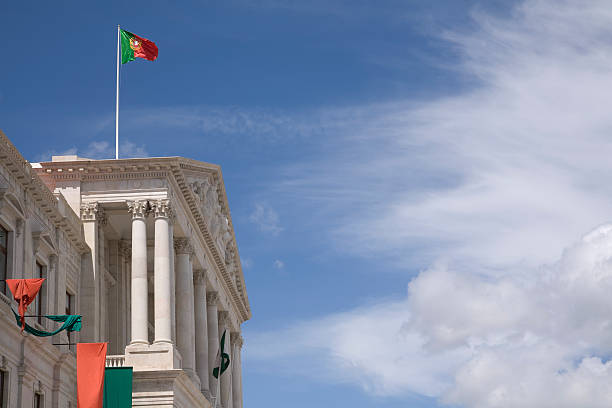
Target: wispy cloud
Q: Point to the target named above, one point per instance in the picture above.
(266, 219)
(492, 176)
(246, 262)
(486, 185)
(98, 150)
(278, 264)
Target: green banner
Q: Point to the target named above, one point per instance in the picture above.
(118, 387)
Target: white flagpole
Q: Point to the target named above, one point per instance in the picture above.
(117, 106)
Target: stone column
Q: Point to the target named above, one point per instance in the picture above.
(226, 378)
(140, 294)
(161, 268)
(236, 369)
(89, 293)
(213, 337)
(201, 328)
(185, 324)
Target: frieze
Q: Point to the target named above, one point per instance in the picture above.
(93, 185)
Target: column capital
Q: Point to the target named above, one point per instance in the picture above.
(138, 208)
(224, 318)
(212, 298)
(161, 208)
(183, 246)
(93, 211)
(199, 276)
(53, 261)
(236, 339)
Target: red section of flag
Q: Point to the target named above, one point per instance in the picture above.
(143, 48)
(24, 291)
(90, 374)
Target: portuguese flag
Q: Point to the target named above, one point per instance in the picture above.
(133, 46)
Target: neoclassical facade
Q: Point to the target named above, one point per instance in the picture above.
(145, 250)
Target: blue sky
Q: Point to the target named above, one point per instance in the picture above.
(412, 183)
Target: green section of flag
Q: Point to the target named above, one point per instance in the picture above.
(127, 53)
(223, 359)
(117, 387)
(70, 323)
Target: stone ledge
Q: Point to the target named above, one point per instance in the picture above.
(166, 389)
(156, 356)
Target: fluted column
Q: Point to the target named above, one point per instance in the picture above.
(185, 323)
(236, 369)
(201, 328)
(226, 378)
(140, 292)
(213, 337)
(161, 267)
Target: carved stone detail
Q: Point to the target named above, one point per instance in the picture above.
(92, 212)
(199, 276)
(183, 246)
(138, 208)
(101, 216)
(236, 339)
(125, 249)
(212, 298)
(18, 227)
(224, 318)
(52, 264)
(161, 208)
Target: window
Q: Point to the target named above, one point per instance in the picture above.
(38, 400)
(41, 298)
(69, 301)
(3, 257)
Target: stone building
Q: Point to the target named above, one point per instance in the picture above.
(144, 250)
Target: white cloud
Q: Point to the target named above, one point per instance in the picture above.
(537, 339)
(486, 185)
(266, 219)
(278, 264)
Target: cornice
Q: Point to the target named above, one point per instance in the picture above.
(53, 206)
(179, 175)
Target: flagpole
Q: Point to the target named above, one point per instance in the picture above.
(117, 106)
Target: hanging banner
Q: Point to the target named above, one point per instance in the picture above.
(118, 387)
(24, 292)
(91, 358)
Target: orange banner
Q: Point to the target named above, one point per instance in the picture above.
(90, 374)
(24, 291)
